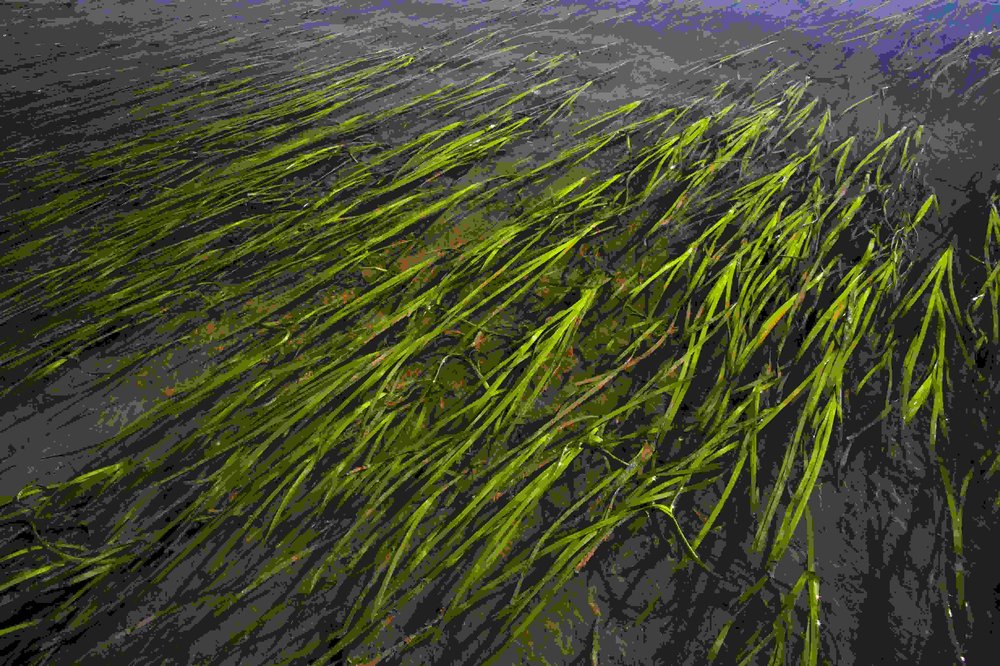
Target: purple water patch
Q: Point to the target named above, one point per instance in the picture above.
(917, 31)
(309, 25)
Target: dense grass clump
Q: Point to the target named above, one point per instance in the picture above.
(449, 362)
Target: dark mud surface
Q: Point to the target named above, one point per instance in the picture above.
(879, 514)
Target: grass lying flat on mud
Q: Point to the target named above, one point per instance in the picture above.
(439, 332)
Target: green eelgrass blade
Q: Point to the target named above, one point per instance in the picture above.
(801, 496)
(25, 576)
(688, 549)
(17, 627)
(713, 652)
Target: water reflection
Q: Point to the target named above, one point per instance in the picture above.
(850, 24)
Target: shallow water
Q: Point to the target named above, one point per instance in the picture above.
(92, 55)
(952, 21)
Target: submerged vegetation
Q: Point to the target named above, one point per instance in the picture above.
(453, 358)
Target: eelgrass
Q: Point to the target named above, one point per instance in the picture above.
(429, 344)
